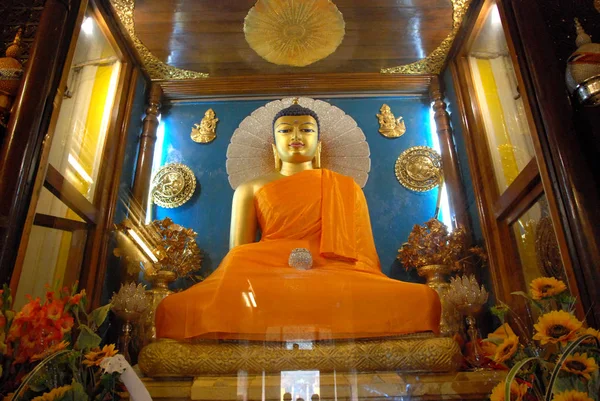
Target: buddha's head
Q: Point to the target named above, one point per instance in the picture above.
(296, 134)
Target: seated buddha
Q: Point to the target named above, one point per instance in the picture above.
(254, 294)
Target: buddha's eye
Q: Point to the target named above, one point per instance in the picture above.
(308, 130)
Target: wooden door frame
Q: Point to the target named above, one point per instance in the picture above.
(498, 211)
(99, 213)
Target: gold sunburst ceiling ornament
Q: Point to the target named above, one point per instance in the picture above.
(294, 32)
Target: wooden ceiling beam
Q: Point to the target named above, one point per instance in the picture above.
(297, 84)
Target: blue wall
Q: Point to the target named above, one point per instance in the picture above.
(393, 209)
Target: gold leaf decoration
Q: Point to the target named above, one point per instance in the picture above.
(433, 63)
(156, 69)
(295, 33)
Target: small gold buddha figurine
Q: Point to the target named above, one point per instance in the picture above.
(389, 126)
(205, 132)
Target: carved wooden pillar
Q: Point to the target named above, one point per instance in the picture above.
(20, 151)
(451, 169)
(143, 170)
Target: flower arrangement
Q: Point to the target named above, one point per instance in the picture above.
(558, 361)
(432, 244)
(51, 349)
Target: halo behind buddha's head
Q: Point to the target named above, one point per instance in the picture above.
(296, 110)
(344, 148)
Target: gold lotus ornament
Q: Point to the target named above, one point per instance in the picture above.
(292, 32)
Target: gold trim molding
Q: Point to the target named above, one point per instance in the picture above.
(156, 69)
(434, 63)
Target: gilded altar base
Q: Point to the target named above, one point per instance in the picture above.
(372, 386)
(414, 353)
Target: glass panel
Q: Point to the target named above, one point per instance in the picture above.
(537, 244)
(499, 100)
(86, 109)
(46, 262)
(51, 205)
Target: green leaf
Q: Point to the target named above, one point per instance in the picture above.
(513, 373)
(98, 316)
(531, 300)
(87, 339)
(75, 393)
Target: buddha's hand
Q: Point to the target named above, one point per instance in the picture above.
(300, 258)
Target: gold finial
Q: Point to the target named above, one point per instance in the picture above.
(14, 49)
(295, 100)
(389, 126)
(582, 37)
(205, 132)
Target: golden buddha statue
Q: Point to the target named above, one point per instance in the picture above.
(255, 295)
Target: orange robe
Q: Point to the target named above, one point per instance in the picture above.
(255, 295)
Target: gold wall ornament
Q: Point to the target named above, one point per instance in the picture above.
(291, 32)
(419, 168)
(389, 126)
(344, 148)
(205, 132)
(156, 69)
(173, 185)
(434, 62)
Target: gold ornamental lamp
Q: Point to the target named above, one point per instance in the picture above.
(11, 71)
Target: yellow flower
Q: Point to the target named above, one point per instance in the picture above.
(507, 349)
(556, 327)
(572, 395)
(580, 364)
(49, 351)
(53, 394)
(591, 332)
(517, 391)
(94, 357)
(546, 287)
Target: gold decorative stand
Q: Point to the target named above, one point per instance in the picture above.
(373, 386)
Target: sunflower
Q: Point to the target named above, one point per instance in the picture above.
(580, 364)
(54, 394)
(507, 349)
(517, 391)
(572, 395)
(49, 351)
(556, 327)
(592, 332)
(95, 356)
(546, 287)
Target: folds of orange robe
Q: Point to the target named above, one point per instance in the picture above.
(255, 295)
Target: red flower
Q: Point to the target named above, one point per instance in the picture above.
(76, 299)
(2, 320)
(30, 310)
(64, 324)
(55, 310)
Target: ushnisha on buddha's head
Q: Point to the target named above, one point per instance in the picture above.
(296, 135)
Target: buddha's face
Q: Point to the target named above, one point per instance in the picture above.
(296, 138)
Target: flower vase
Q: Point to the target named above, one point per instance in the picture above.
(436, 277)
(160, 289)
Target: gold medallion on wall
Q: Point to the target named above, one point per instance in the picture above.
(206, 131)
(389, 125)
(173, 185)
(419, 168)
(291, 32)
